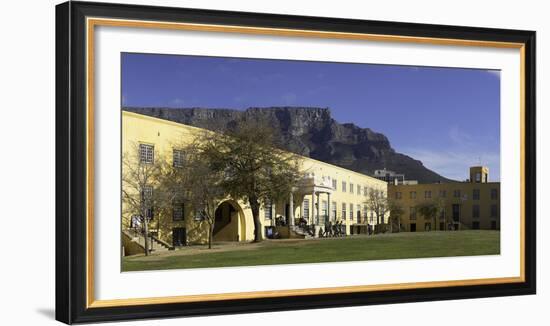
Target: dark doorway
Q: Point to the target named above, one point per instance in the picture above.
(413, 227)
(427, 226)
(226, 224)
(223, 216)
(179, 237)
(456, 213)
(442, 226)
(493, 225)
(475, 225)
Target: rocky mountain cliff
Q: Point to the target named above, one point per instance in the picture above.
(311, 132)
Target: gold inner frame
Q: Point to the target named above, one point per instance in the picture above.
(92, 22)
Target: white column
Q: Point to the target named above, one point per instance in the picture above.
(302, 206)
(291, 209)
(318, 208)
(328, 206)
(312, 208)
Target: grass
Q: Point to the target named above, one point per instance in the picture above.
(354, 248)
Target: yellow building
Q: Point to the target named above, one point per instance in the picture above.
(327, 194)
(467, 205)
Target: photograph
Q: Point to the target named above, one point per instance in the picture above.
(234, 161)
(213, 162)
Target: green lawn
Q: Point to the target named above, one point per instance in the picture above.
(354, 248)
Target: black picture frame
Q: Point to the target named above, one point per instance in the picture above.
(71, 168)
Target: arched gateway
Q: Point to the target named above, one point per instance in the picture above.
(230, 224)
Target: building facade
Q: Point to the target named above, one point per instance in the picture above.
(474, 204)
(392, 177)
(326, 195)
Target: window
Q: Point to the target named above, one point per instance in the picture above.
(412, 213)
(442, 193)
(351, 188)
(149, 213)
(344, 186)
(334, 183)
(478, 177)
(413, 227)
(475, 195)
(475, 211)
(147, 193)
(343, 211)
(305, 205)
(494, 194)
(351, 211)
(412, 194)
(146, 153)
(200, 214)
(456, 193)
(177, 212)
(456, 212)
(268, 210)
(427, 194)
(177, 158)
(359, 189)
(333, 211)
(324, 209)
(365, 191)
(398, 195)
(494, 211)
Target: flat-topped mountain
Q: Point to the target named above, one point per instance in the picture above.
(310, 132)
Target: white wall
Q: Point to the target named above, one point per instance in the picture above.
(27, 165)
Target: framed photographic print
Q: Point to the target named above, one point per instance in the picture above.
(212, 162)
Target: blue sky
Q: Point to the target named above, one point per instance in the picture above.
(448, 118)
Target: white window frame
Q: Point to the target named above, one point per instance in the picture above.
(146, 153)
(177, 158)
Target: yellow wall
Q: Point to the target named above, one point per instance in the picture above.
(165, 135)
(465, 200)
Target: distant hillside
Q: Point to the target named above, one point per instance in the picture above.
(311, 132)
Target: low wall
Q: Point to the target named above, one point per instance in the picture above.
(130, 246)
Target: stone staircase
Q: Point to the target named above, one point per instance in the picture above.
(297, 231)
(156, 244)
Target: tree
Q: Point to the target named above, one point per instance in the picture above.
(431, 210)
(440, 205)
(378, 203)
(396, 211)
(253, 169)
(141, 171)
(194, 182)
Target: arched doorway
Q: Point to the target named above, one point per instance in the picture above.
(229, 222)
